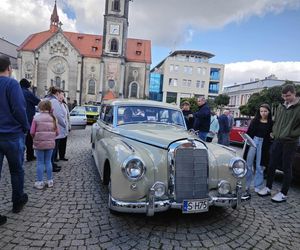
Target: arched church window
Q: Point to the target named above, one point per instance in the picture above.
(91, 87)
(114, 45)
(58, 81)
(133, 90)
(115, 5)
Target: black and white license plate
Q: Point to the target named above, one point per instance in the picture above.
(195, 206)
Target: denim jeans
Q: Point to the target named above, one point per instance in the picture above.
(43, 158)
(202, 135)
(259, 173)
(281, 157)
(13, 148)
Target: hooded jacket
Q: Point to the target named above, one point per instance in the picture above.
(287, 122)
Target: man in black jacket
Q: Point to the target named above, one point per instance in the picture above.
(31, 102)
(202, 118)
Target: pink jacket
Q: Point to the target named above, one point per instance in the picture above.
(43, 132)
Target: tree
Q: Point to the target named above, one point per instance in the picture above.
(222, 100)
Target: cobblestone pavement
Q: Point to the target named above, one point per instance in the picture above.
(74, 215)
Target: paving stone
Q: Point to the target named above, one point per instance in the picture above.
(74, 215)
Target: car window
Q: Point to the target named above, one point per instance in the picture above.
(137, 114)
(102, 112)
(108, 115)
(242, 123)
(91, 109)
(78, 111)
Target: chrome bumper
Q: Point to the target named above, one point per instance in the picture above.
(152, 206)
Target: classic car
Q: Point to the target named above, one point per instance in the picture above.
(240, 126)
(78, 118)
(92, 113)
(151, 163)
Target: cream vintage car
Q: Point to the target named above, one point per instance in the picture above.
(152, 163)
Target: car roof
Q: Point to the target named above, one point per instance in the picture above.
(139, 102)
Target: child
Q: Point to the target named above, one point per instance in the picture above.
(259, 130)
(43, 130)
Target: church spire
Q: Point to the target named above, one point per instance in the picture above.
(54, 21)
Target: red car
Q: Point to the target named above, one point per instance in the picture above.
(240, 125)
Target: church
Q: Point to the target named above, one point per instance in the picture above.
(88, 67)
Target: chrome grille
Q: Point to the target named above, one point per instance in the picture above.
(191, 173)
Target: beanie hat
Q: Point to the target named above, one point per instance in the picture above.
(25, 83)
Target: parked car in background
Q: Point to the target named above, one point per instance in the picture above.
(92, 113)
(78, 118)
(151, 163)
(240, 125)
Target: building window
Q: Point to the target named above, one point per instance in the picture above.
(214, 74)
(176, 68)
(57, 81)
(213, 88)
(173, 81)
(188, 70)
(91, 87)
(115, 5)
(171, 97)
(133, 90)
(202, 84)
(198, 84)
(186, 83)
(114, 45)
(204, 71)
(171, 67)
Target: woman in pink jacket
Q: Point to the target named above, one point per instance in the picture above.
(44, 130)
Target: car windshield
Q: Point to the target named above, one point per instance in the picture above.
(91, 109)
(146, 114)
(78, 111)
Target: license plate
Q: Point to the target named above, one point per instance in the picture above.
(195, 206)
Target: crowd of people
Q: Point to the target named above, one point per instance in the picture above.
(275, 140)
(43, 133)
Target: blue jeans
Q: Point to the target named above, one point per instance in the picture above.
(259, 173)
(202, 135)
(13, 148)
(43, 158)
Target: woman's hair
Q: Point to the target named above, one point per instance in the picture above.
(258, 116)
(45, 105)
(53, 90)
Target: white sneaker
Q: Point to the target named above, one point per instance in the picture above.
(50, 183)
(264, 192)
(39, 184)
(279, 197)
(256, 190)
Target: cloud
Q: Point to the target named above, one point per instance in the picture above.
(166, 22)
(242, 72)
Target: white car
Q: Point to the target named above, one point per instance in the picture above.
(78, 118)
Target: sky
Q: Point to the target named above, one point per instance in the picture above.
(253, 39)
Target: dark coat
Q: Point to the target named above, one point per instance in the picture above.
(265, 155)
(188, 120)
(31, 102)
(202, 119)
(223, 124)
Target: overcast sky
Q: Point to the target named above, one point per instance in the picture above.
(253, 38)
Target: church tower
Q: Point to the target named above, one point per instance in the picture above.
(54, 20)
(114, 47)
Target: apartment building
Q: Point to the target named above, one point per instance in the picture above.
(185, 74)
(240, 93)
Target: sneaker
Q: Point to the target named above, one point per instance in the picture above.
(279, 197)
(3, 219)
(39, 185)
(264, 192)
(256, 190)
(18, 206)
(50, 184)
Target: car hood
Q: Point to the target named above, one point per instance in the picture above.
(160, 135)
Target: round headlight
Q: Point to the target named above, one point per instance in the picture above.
(238, 167)
(133, 168)
(224, 187)
(159, 189)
